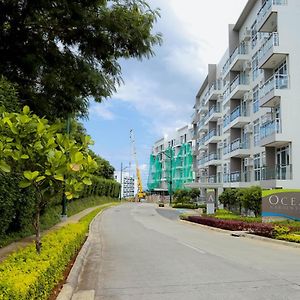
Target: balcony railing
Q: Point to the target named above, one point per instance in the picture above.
(238, 80)
(273, 40)
(237, 112)
(237, 177)
(277, 172)
(277, 81)
(226, 121)
(239, 144)
(270, 128)
(267, 6)
(211, 133)
(210, 179)
(241, 49)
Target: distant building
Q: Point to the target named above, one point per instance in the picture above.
(171, 161)
(129, 184)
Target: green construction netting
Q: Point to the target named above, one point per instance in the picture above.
(155, 173)
(180, 166)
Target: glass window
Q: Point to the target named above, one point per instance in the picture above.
(257, 165)
(255, 99)
(256, 132)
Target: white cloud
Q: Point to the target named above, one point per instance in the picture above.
(102, 110)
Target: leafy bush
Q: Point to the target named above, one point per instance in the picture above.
(16, 205)
(28, 275)
(251, 199)
(263, 229)
(185, 205)
(280, 230)
(228, 198)
(186, 195)
(49, 218)
(102, 187)
(289, 237)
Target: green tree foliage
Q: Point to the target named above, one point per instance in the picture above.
(228, 198)
(61, 53)
(8, 95)
(186, 195)
(104, 169)
(45, 158)
(251, 199)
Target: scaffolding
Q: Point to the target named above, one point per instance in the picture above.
(177, 168)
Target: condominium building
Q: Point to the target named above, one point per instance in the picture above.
(171, 161)
(128, 184)
(247, 109)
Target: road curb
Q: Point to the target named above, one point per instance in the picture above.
(247, 235)
(69, 287)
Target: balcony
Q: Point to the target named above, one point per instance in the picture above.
(212, 137)
(213, 114)
(237, 177)
(239, 117)
(237, 148)
(213, 159)
(236, 60)
(269, 54)
(213, 92)
(271, 134)
(274, 176)
(237, 88)
(210, 181)
(239, 57)
(267, 15)
(271, 91)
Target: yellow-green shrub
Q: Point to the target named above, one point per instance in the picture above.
(27, 275)
(289, 237)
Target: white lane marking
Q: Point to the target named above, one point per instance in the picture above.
(194, 248)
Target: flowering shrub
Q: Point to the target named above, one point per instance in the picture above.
(263, 229)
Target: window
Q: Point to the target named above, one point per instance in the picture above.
(255, 99)
(253, 35)
(256, 132)
(257, 165)
(255, 70)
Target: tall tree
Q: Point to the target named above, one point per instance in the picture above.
(62, 52)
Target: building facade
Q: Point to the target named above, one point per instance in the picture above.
(128, 184)
(246, 111)
(171, 161)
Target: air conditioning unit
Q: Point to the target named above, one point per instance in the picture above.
(246, 66)
(248, 161)
(248, 96)
(248, 128)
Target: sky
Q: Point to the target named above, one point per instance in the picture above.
(158, 94)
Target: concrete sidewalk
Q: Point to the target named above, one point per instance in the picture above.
(5, 251)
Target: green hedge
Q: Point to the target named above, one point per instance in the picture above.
(185, 205)
(16, 205)
(289, 237)
(27, 275)
(102, 187)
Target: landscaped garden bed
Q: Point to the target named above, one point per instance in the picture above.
(29, 275)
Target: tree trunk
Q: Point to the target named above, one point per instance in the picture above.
(37, 227)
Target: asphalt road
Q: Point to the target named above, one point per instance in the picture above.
(137, 253)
